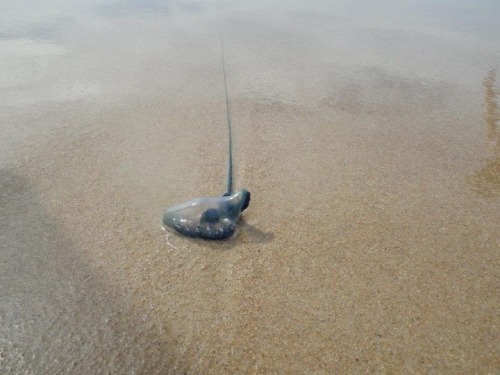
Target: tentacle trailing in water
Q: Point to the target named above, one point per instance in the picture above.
(212, 218)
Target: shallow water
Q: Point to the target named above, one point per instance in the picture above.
(367, 135)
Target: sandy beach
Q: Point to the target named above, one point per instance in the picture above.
(367, 135)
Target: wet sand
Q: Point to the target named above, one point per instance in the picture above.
(368, 138)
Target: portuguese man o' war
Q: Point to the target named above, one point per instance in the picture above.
(211, 218)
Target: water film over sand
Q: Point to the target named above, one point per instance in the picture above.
(367, 136)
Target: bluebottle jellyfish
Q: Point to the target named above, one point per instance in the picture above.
(211, 218)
